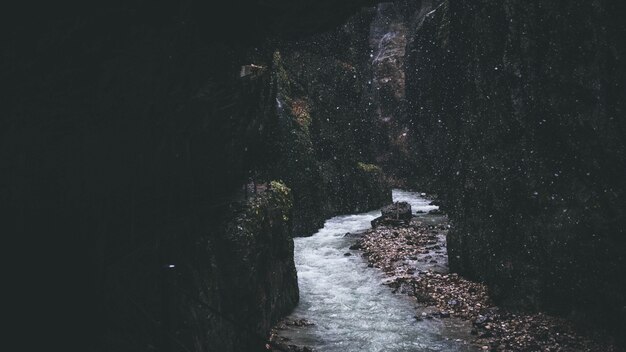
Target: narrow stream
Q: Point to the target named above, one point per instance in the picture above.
(351, 309)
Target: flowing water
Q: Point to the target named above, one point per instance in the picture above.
(351, 309)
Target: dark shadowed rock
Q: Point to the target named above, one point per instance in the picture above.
(353, 235)
(491, 59)
(300, 322)
(396, 214)
(356, 246)
(397, 210)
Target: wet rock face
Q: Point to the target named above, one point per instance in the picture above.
(387, 40)
(127, 132)
(323, 140)
(518, 120)
(388, 43)
(256, 273)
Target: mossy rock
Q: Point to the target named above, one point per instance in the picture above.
(369, 167)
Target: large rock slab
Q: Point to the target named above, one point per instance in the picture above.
(396, 214)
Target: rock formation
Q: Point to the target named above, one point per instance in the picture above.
(397, 213)
(518, 118)
(127, 134)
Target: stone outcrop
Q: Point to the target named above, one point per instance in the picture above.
(519, 120)
(252, 264)
(323, 138)
(127, 132)
(398, 213)
(391, 27)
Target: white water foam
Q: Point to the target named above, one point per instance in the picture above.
(351, 309)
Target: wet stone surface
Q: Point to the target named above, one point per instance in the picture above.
(277, 342)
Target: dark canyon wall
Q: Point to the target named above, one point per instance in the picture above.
(519, 121)
(387, 40)
(326, 127)
(127, 138)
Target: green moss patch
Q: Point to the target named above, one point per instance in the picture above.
(369, 167)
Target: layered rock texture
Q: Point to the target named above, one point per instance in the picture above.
(518, 112)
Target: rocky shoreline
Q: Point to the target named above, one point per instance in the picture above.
(414, 257)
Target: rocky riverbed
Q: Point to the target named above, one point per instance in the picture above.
(345, 305)
(414, 258)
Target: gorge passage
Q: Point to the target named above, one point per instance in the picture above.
(165, 155)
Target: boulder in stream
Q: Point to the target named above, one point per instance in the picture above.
(395, 214)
